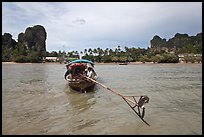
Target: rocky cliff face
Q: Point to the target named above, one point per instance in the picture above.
(178, 41)
(30, 47)
(33, 38)
(7, 41)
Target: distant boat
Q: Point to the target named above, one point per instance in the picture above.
(123, 63)
(74, 75)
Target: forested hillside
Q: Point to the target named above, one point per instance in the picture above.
(31, 47)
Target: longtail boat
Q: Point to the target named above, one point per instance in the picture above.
(79, 78)
(74, 75)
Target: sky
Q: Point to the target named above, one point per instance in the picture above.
(75, 26)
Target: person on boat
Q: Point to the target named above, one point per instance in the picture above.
(77, 70)
(90, 72)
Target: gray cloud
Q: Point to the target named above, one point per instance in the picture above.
(79, 21)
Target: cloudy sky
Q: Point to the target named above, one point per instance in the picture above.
(79, 25)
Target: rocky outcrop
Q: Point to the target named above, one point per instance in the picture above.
(31, 46)
(34, 38)
(178, 41)
(7, 41)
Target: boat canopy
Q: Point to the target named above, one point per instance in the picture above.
(81, 61)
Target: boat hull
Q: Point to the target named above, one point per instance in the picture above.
(81, 85)
(123, 63)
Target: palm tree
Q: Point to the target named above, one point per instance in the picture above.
(90, 51)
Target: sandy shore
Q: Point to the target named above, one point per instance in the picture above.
(112, 63)
(96, 63)
(9, 63)
(14, 63)
(30, 63)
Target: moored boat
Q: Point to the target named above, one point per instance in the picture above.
(123, 63)
(76, 70)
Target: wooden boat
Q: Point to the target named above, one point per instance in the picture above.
(75, 72)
